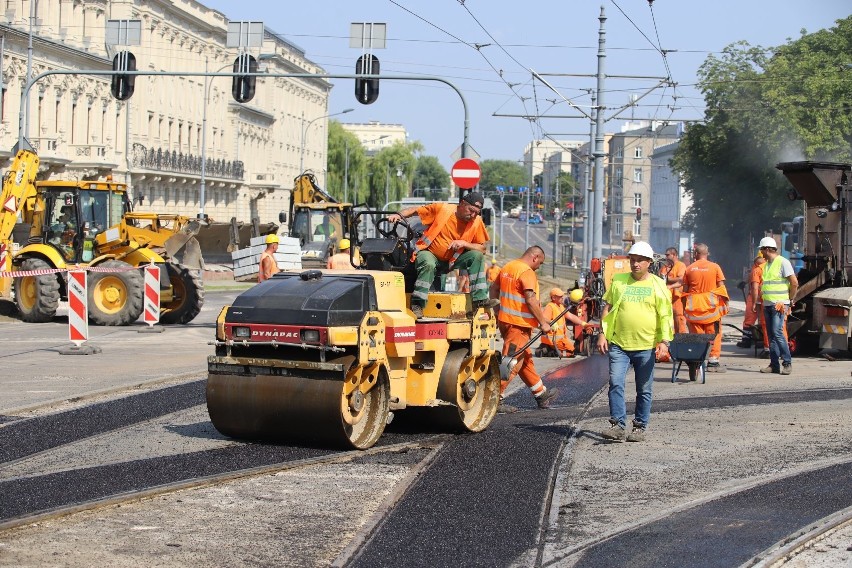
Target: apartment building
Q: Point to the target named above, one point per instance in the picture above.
(157, 140)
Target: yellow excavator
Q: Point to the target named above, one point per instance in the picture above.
(80, 224)
(318, 220)
(327, 356)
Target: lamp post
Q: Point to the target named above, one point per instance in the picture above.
(305, 126)
(346, 165)
(399, 173)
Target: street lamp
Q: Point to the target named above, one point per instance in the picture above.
(305, 127)
(346, 164)
(399, 173)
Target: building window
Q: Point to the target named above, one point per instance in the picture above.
(637, 152)
(618, 226)
(637, 200)
(637, 228)
(619, 177)
(619, 152)
(637, 175)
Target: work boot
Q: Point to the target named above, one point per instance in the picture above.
(769, 369)
(786, 368)
(637, 435)
(418, 311)
(715, 367)
(543, 400)
(614, 432)
(503, 408)
(745, 342)
(764, 354)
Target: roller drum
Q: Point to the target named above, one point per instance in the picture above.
(299, 408)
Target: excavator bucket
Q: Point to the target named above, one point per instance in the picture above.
(185, 240)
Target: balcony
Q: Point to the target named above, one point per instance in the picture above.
(178, 162)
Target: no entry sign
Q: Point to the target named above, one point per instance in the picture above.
(466, 173)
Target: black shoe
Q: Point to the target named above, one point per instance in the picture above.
(503, 408)
(543, 401)
(744, 343)
(418, 311)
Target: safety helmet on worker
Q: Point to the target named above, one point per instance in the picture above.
(768, 242)
(271, 238)
(557, 292)
(576, 295)
(344, 244)
(641, 248)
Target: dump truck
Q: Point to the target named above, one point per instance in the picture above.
(328, 356)
(91, 224)
(318, 220)
(821, 317)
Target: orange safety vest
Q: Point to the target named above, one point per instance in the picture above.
(493, 272)
(260, 275)
(513, 305)
(706, 307)
(435, 229)
(557, 338)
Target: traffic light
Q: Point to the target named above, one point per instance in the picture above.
(367, 90)
(638, 213)
(243, 86)
(122, 85)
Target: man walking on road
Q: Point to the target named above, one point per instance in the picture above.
(752, 292)
(674, 282)
(706, 301)
(520, 311)
(637, 328)
(778, 292)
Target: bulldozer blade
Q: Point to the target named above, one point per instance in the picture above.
(192, 257)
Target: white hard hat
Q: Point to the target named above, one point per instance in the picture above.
(767, 242)
(641, 248)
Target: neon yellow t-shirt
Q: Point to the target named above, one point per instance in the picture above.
(640, 321)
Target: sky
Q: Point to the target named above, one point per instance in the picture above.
(492, 51)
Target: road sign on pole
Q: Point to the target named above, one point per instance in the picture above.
(466, 173)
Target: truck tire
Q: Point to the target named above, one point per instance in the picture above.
(37, 297)
(188, 295)
(115, 298)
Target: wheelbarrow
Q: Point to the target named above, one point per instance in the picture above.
(692, 349)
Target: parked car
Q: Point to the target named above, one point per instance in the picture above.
(536, 219)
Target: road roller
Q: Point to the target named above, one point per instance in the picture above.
(328, 356)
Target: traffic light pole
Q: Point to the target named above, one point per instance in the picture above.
(24, 111)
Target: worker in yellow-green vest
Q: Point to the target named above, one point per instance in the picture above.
(778, 292)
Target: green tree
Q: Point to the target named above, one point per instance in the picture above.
(762, 110)
(431, 180)
(341, 143)
(505, 173)
(391, 173)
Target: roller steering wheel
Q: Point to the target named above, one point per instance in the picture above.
(390, 229)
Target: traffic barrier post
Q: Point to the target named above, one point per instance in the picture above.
(78, 315)
(151, 306)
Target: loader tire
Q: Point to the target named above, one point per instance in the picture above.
(188, 295)
(115, 298)
(37, 297)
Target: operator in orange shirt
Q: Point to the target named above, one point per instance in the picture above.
(492, 272)
(455, 239)
(268, 264)
(706, 301)
(558, 343)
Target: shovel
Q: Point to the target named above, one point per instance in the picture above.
(509, 362)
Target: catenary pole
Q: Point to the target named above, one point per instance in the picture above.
(597, 241)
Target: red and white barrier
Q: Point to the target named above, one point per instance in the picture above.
(3, 258)
(151, 311)
(78, 307)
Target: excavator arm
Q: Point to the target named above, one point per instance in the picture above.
(18, 188)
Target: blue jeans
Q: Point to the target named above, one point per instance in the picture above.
(779, 349)
(643, 366)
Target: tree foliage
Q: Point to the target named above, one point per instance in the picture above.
(762, 110)
(504, 173)
(391, 173)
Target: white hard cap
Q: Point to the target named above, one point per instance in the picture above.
(767, 242)
(641, 248)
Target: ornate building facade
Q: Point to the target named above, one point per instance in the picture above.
(156, 140)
